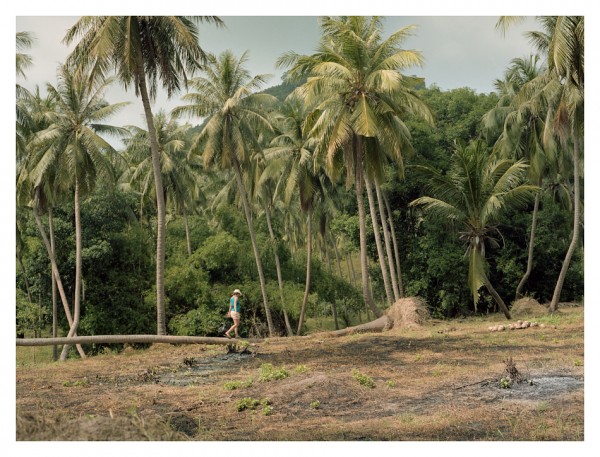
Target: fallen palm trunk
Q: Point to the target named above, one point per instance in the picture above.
(110, 339)
(378, 325)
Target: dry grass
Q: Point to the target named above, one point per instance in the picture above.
(528, 307)
(435, 382)
(409, 312)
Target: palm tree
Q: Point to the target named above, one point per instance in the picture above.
(179, 171)
(71, 150)
(474, 194)
(521, 116)
(290, 161)
(234, 118)
(562, 85)
(143, 51)
(357, 92)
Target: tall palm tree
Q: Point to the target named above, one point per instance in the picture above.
(144, 51)
(290, 161)
(72, 151)
(179, 171)
(474, 195)
(358, 92)
(235, 116)
(520, 116)
(562, 85)
(35, 117)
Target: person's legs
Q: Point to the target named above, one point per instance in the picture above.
(234, 327)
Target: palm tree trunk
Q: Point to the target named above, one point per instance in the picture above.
(536, 205)
(388, 245)
(54, 298)
(380, 253)
(288, 326)
(77, 301)
(263, 286)
(55, 273)
(161, 227)
(337, 257)
(188, 241)
(308, 258)
(27, 288)
(576, 221)
(351, 269)
(497, 297)
(358, 183)
(394, 242)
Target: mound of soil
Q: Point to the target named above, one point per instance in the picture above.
(528, 306)
(408, 312)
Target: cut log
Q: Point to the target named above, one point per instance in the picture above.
(112, 339)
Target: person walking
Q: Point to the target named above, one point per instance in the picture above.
(234, 313)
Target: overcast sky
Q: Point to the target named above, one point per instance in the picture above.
(458, 51)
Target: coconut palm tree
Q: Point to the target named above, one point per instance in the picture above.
(474, 195)
(357, 92)
(180, 172)
(520, 116)
(235, 116)
(290, 161)
(70, 150)
(561, 40)
(144, 51)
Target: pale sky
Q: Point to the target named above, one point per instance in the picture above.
(459, 51)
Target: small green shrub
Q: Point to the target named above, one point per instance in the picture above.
(391, 383)
(505, 383)
(300, 369)
(252, 404)
(233, 385)
(268, 373)
(363, 380)
(247, 403)
(315, 404)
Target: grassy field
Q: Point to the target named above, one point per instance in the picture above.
(443, 381)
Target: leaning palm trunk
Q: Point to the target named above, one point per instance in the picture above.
(263, 286)
(576, 221)
(55, 273)
(288, 326)
(395, 243)
(492, 291)
(388, 247)
(536, 205)
(358, 183)
(54, 298)
(161, 327)
(380, 253)
(308, 259)
(77, 301)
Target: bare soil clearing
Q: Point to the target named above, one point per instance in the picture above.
(437, 381)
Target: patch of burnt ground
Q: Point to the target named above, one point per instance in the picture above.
(198, 370)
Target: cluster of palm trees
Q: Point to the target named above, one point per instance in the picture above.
(345, 119)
